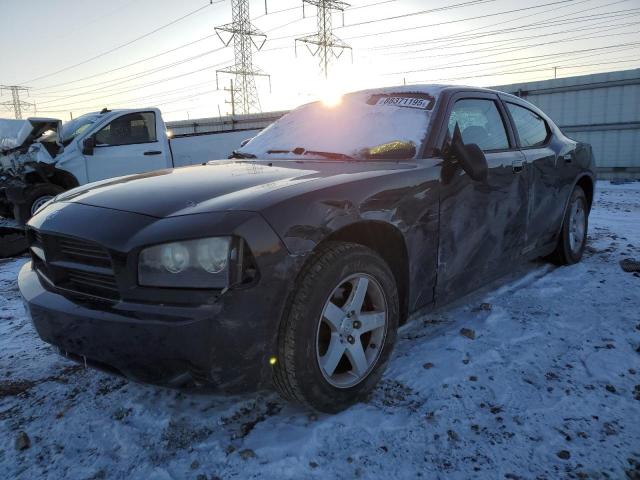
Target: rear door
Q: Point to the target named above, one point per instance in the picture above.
(482, 223)
(126, 145)
(546, 162)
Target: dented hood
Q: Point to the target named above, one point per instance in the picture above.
(221, 186)
(15, 134)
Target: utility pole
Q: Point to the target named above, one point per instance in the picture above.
(16, 103)
(244, 36)
(232, 102)
(327, 45)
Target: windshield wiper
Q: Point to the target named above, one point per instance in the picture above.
(302, 151)
(237, 154)
(330, 155)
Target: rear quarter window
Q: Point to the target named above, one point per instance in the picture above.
(532, 130)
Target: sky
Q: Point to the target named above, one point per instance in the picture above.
(77, 56)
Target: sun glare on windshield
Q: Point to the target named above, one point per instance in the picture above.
(332, 100)
(331, 96)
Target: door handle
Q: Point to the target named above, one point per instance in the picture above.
(568, 158)
(517, 167)
(153, 152)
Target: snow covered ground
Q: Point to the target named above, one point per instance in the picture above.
(549, 388)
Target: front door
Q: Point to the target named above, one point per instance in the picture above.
(127, 145)
(482, 223)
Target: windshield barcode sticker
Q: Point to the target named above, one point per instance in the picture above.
(409, 102)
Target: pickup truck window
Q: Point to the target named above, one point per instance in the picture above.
(480, 123)
(532, 130)
(129, 129)
(75, 127)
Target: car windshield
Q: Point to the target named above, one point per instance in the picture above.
(75, 127)
(361, 121)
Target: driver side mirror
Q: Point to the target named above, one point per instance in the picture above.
(470, 157)
(88, 145)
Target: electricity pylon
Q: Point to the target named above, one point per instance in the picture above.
(15, 103)
(244, 95)
(327, 45)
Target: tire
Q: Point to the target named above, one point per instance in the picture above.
(327, 289)
(573, 234)
(6, 209)
(35, 196)
(12, 242)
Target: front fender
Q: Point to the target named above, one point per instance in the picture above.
(406, 203)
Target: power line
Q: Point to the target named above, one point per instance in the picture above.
(505, 50)
(534, 56)
(515, 48)
(188, 44)
(597, 26)
(468, 35)
(129, 78)
(118, 47)
(511, 72)
(449, 22)
(127, 65)
(526, 60)
(469, 3)
(433, 24)
(156, 104)
(545, 21)
(137, 87)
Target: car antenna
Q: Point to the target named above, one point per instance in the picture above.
(104, 110)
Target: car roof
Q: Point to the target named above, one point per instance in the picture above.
(432, 89)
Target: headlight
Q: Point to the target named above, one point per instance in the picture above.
(203, 263)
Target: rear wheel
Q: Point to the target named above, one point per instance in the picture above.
(35, 197)
(335, 342)
(573, 236)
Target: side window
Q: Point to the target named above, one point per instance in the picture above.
(129, 129)
(532, 130)
(480, 122)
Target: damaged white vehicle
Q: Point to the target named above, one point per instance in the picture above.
(42, 157)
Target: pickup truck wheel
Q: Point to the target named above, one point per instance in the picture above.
(573, 236)
(336, 340)
(12, 242)
(35, 197)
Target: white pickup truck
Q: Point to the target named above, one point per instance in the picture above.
(42, 157)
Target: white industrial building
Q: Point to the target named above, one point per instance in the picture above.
(602, 109)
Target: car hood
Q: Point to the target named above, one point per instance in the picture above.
(15, 134)
(221, 185)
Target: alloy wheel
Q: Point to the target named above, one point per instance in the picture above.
(352, 330)
(577, 225)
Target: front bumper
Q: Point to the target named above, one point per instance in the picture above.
(173, 346)
(170, 337)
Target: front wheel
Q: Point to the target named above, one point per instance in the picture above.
(573, 235)
(341, 326)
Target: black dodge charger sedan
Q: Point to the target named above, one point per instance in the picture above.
(291, 265)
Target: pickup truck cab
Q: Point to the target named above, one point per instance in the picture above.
(41, 157)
